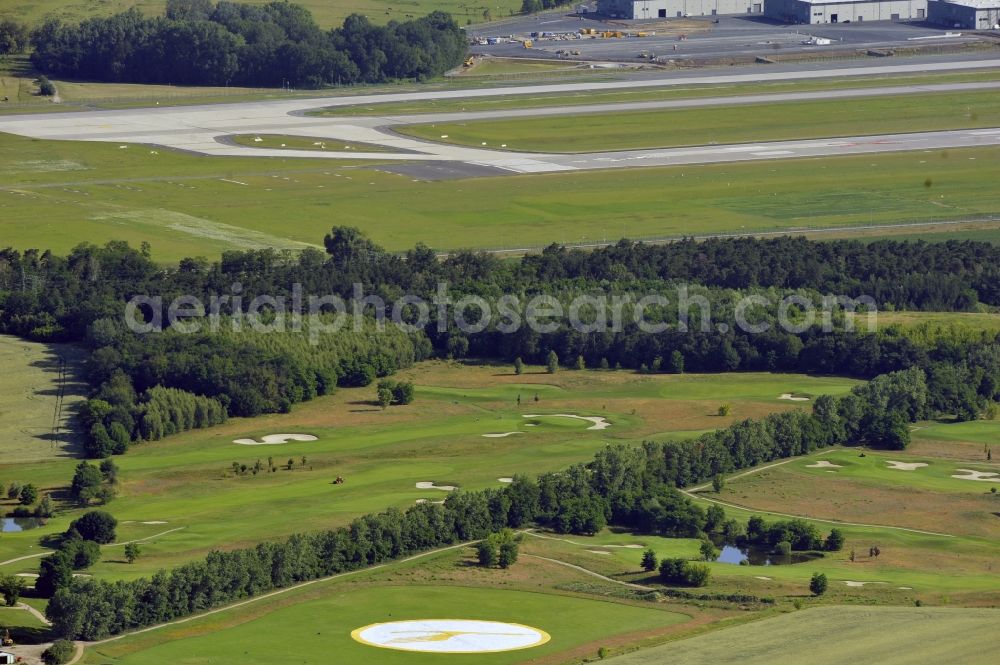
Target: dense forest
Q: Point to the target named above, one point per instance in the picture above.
(236, 371)
(276, 44)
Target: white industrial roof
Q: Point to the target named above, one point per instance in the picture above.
(979, 4)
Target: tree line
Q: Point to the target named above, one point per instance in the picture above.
(232, 371)
(275, 44)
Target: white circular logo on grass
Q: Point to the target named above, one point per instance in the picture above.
(451, 636)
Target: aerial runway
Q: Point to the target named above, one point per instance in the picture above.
(207, 129)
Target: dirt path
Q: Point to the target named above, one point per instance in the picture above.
(35, 613)
(590, 572)
(122, 544)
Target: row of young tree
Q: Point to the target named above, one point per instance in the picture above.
(275, 44)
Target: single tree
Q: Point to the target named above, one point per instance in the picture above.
(649, 561)
(518, 366)
(384, 397)
(96, 525)
(44, 509)
(54, 572)
(723, 410)
(677, 362)
(11, 587)
(581, 363)
(552, 363)
(817, 585)
(708, 551)
(132, 552)
(718, 482)
(507, 555)
(28, 495)
(835, 541)
(486, 552)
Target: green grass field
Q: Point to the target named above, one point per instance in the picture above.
(835, 635)
(649, 94)
(725, 124)
(328, 13)
(39, 391)
(279, 142)
(843, 485)
(57, 194)
(185, 484)
(309, 631)
(24, 627)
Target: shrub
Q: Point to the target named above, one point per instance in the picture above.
(684, 573)
(818, 584)
(508, 554)
(486, 552)
(60, 652)
(45, 87)
(835, 541)
(28, 495)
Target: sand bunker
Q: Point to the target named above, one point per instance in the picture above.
(906, 588)
(429, 485)
(275, 439)
(605, 553)
(428, 501)
(501, 435)
(761, 577)
(793, 398)
(633, 546)
(904, 466)
(969, 474)
(856, 584)
(823, 464)
(599, 422)
(154, 522)
(505, 480)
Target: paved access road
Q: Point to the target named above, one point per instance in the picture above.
(203, 129)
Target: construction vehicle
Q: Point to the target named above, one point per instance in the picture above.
(469, 61)
(528, 43)
(6, 640)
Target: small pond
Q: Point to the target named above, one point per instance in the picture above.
(754, 557)
(13, 524)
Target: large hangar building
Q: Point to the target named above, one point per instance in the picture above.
(814, 12)
(653, 9)
(966, 14)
